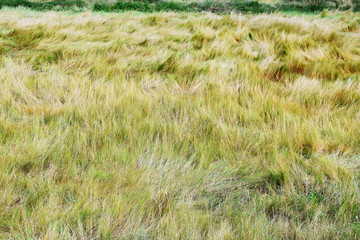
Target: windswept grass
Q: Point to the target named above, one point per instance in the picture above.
(179, 126)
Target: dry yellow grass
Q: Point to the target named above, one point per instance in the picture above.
(179, 126)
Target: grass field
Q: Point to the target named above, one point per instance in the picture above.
(179, 125)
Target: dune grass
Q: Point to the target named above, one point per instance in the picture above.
(179, 126)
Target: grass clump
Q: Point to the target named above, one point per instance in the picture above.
(179, 126)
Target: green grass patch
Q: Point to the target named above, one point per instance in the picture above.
(181, 6)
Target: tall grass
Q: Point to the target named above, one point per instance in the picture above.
(179, 126)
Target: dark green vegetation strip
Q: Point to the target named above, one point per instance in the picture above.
(53, 5)
(156, 6)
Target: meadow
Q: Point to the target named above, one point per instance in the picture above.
(179, 125)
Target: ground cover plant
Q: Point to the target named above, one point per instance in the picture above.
(216, 6)
(179, 125)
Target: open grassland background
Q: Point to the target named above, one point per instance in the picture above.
(179, 126)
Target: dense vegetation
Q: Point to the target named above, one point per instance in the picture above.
(179, 125)
(216, 6)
